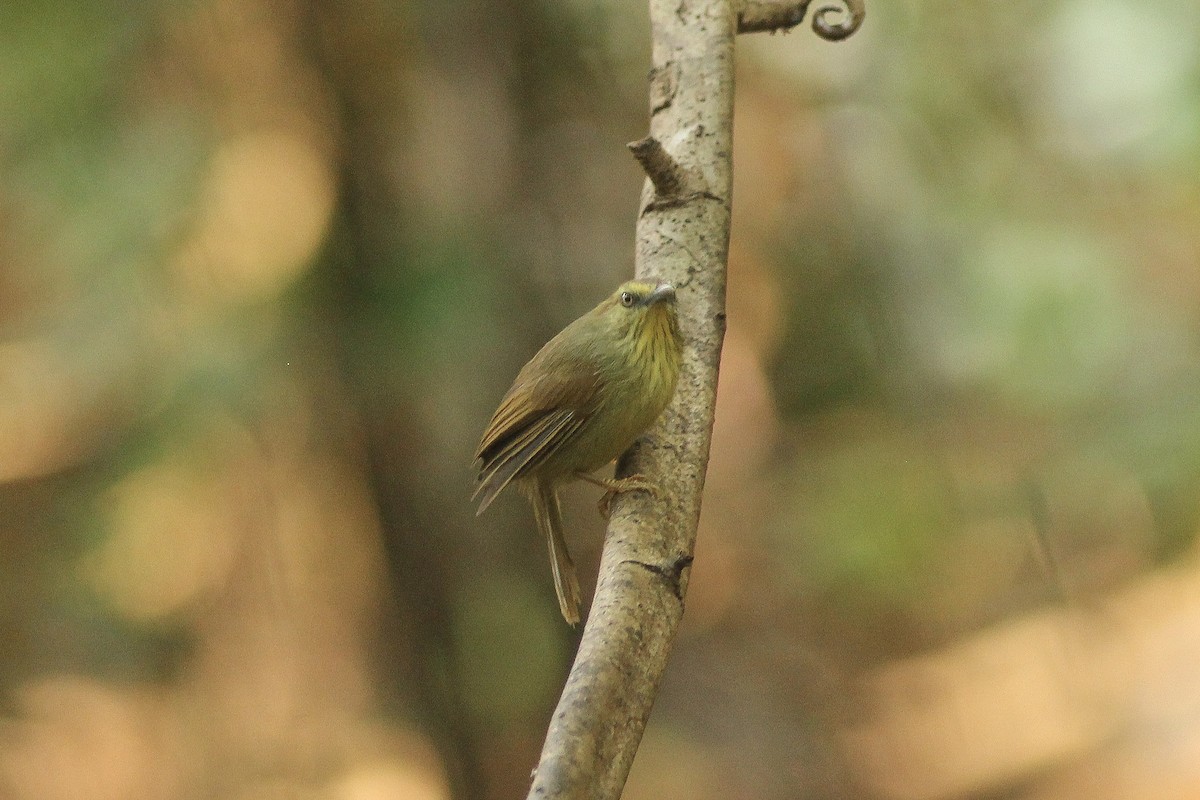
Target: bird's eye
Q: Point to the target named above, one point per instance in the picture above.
(627, 299)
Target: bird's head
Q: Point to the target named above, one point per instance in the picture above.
(642, 312)
(635, 300)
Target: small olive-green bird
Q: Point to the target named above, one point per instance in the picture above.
(577, 405)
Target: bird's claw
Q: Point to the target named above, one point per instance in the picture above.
(616, 486)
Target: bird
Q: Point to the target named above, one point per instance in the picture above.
(578, 404)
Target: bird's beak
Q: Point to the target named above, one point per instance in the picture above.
(664, 291)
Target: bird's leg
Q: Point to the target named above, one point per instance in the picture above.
(616, 486)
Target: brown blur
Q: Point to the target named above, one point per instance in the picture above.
(266, 268)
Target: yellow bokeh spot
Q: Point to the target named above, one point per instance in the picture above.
(264, 211)
(391, 780)
(171, 540)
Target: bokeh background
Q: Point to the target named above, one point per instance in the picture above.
(266, 267)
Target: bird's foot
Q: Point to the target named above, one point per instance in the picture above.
(616, 486)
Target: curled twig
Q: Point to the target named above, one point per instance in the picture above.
(853, 15)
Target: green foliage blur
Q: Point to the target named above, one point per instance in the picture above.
(266, 269)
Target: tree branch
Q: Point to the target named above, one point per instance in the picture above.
(683, 238)
(755, 16)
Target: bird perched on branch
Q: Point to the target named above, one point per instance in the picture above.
(577, 405)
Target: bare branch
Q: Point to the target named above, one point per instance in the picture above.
(782, 15)
(682, 237)
(757, 16)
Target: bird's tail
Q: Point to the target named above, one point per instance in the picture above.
(546, 511)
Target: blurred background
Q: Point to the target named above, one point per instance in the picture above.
(267, 266)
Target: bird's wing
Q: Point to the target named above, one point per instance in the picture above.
(533, 421)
